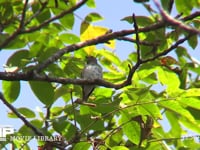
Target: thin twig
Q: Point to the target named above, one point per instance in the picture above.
(26, 122)
(175, 45)
(48, 113)
(36, 13)
(20, 31)
(21, 26)
(138, 63)
(146, 43)
(46, 22)
(137, 37)
(73, 105)
(117, 128)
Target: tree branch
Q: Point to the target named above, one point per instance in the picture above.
(31, 76)
(100, 39)
(26, 122)
(103, 39)
(20, 30)
(170, 20)
(23, 15)
(146, 43)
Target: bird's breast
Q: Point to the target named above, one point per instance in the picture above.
(92, 72)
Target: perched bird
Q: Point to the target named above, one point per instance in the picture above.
(91, 71)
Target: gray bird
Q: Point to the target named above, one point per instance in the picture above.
(91, 71)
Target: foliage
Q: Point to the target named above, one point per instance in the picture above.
(127, 107)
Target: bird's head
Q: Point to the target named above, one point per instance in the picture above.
(91, 60)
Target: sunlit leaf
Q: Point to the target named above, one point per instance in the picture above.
(79, 146)
(11, 90)
(183, 6)
(112, 57)
(131, 128)
(89, 32)
(190, 101)
(93, 17)
(194, 126)
(174, 106)
(119, 148)
(191, 92)
(141, 20)
(26, 112)
(91, 3)
(68, 21)
(69, 38)
(168, 60)
(170, 79)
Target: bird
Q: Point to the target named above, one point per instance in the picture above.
(91, 71)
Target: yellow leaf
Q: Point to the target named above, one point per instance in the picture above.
(111, 44)
(89, 32)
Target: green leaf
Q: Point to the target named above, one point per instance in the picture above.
(103, 93)
(46, 53)
(114, 139)
(6, 10)
(44, 15)
(175, 106)
(130, 128)
(193, 41)
(166, 4)
(64, 127)
(151, 109)
(44, 91)
(69, 38)
(93, 17)
(141, 20)
(61, 91)
(110, 56)
(129, 19)
(184, 7)
(37, 123)
(17, 43)
(175, 126)
(67, 21)
(190, 101)
(11, 90)
(169, 79)
(119, 148)
(26, 112)
(193, 126)
(182, 54)
(98, 125)
(191, 92)
(79, 146)
(55, 111)
(91, 3)
(19, 58)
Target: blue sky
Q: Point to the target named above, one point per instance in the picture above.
(112, 11)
